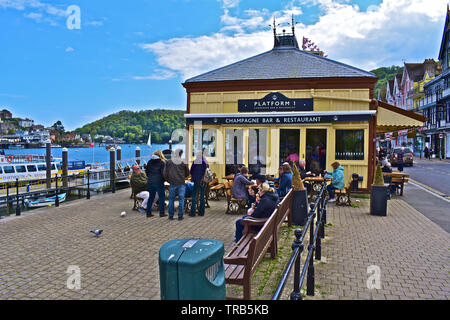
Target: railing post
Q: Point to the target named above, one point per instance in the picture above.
(310, 277)
(318, 247)
(48, 163)
(56, 191)
(296, 294)
(17, 198)
(88, 194)
(7, 199)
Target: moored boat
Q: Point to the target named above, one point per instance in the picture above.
(43, 202)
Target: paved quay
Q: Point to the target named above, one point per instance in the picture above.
(411, 251)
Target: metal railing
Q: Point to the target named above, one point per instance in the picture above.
(317, 213)
(88, 183)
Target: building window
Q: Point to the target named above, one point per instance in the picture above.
(205, 140)
(349, 145)
(234, 150)
(257, 151)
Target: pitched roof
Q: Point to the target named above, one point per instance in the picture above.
(415, 71)
(391, 86)
(282, 62)
(444, 35)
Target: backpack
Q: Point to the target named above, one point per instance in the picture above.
(208, 176)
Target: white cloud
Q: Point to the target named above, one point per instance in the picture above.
(40, 11)
(382, 35)
(70, 49)
(160, 74)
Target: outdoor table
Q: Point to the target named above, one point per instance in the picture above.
(229, 177)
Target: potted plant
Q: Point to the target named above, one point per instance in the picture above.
(378, 194)
(299, 198)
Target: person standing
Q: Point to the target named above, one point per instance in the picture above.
(197, 172)
(427, 153)
(175, 172)
(400, 156)
(155, 175)
(337, 182)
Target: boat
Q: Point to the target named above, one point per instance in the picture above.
(33, 167)
(110, 146)
(44, 202)
(149, 141)
(16, 146)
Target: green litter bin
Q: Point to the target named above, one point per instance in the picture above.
(192, 269)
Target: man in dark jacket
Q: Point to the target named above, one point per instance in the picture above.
(197, 171)
(155, 175)
(175, 172)
(267, 200)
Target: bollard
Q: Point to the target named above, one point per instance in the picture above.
(17, 198)
(88, 194)
(119, 153)
(65, 165)
(296, 294)
(56, 191)
(112, 169)
(138, 156)
(48, 154)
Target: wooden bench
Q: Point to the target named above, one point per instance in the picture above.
(398, 180)
(234, 205)
(243, 259)
(343, 197)
(216, 189)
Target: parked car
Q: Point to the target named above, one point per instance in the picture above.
(407, 157)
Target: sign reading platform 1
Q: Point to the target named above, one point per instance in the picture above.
(275, 101)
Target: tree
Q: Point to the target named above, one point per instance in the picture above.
(58, 126)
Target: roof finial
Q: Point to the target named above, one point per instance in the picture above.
(293, 25)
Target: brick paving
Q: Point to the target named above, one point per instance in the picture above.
(411, 251)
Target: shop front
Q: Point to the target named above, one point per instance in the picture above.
(284, 105)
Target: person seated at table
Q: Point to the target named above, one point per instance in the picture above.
(304, 174)
(285, 181)
(138, 182)
(266, 201)
(260, 179)
(337, 182)
(387, 168)
(292, 157)
(240, 183)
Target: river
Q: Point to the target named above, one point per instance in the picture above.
(97, 154)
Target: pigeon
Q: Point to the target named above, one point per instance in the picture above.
(97, 232)
(123, 214)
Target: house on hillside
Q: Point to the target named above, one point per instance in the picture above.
(436, 106)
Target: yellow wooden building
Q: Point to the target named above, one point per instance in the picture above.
(282, 105)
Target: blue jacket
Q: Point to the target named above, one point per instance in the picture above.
(285, 184)
(338, 178)
(198, 170)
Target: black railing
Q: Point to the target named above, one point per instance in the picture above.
(317, 213)
(82, 182)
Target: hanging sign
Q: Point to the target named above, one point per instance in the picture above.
(275, 101)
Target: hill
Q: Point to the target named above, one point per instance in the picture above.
(384, 74)
(134, 126)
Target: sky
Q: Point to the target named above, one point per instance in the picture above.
(80, 60)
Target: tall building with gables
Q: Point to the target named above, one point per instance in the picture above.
(436, 105)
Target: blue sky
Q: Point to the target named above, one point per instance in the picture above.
(134, 55)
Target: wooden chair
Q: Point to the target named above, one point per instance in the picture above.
(234, 205)
(343, 196)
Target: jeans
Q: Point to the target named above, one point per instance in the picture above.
(330, 189)
(153, 189)
(400, 166)
(176, 190)
(239, 229)
(198, 188)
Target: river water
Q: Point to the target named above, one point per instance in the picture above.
(97, 154)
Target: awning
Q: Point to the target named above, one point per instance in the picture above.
(391, 118)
